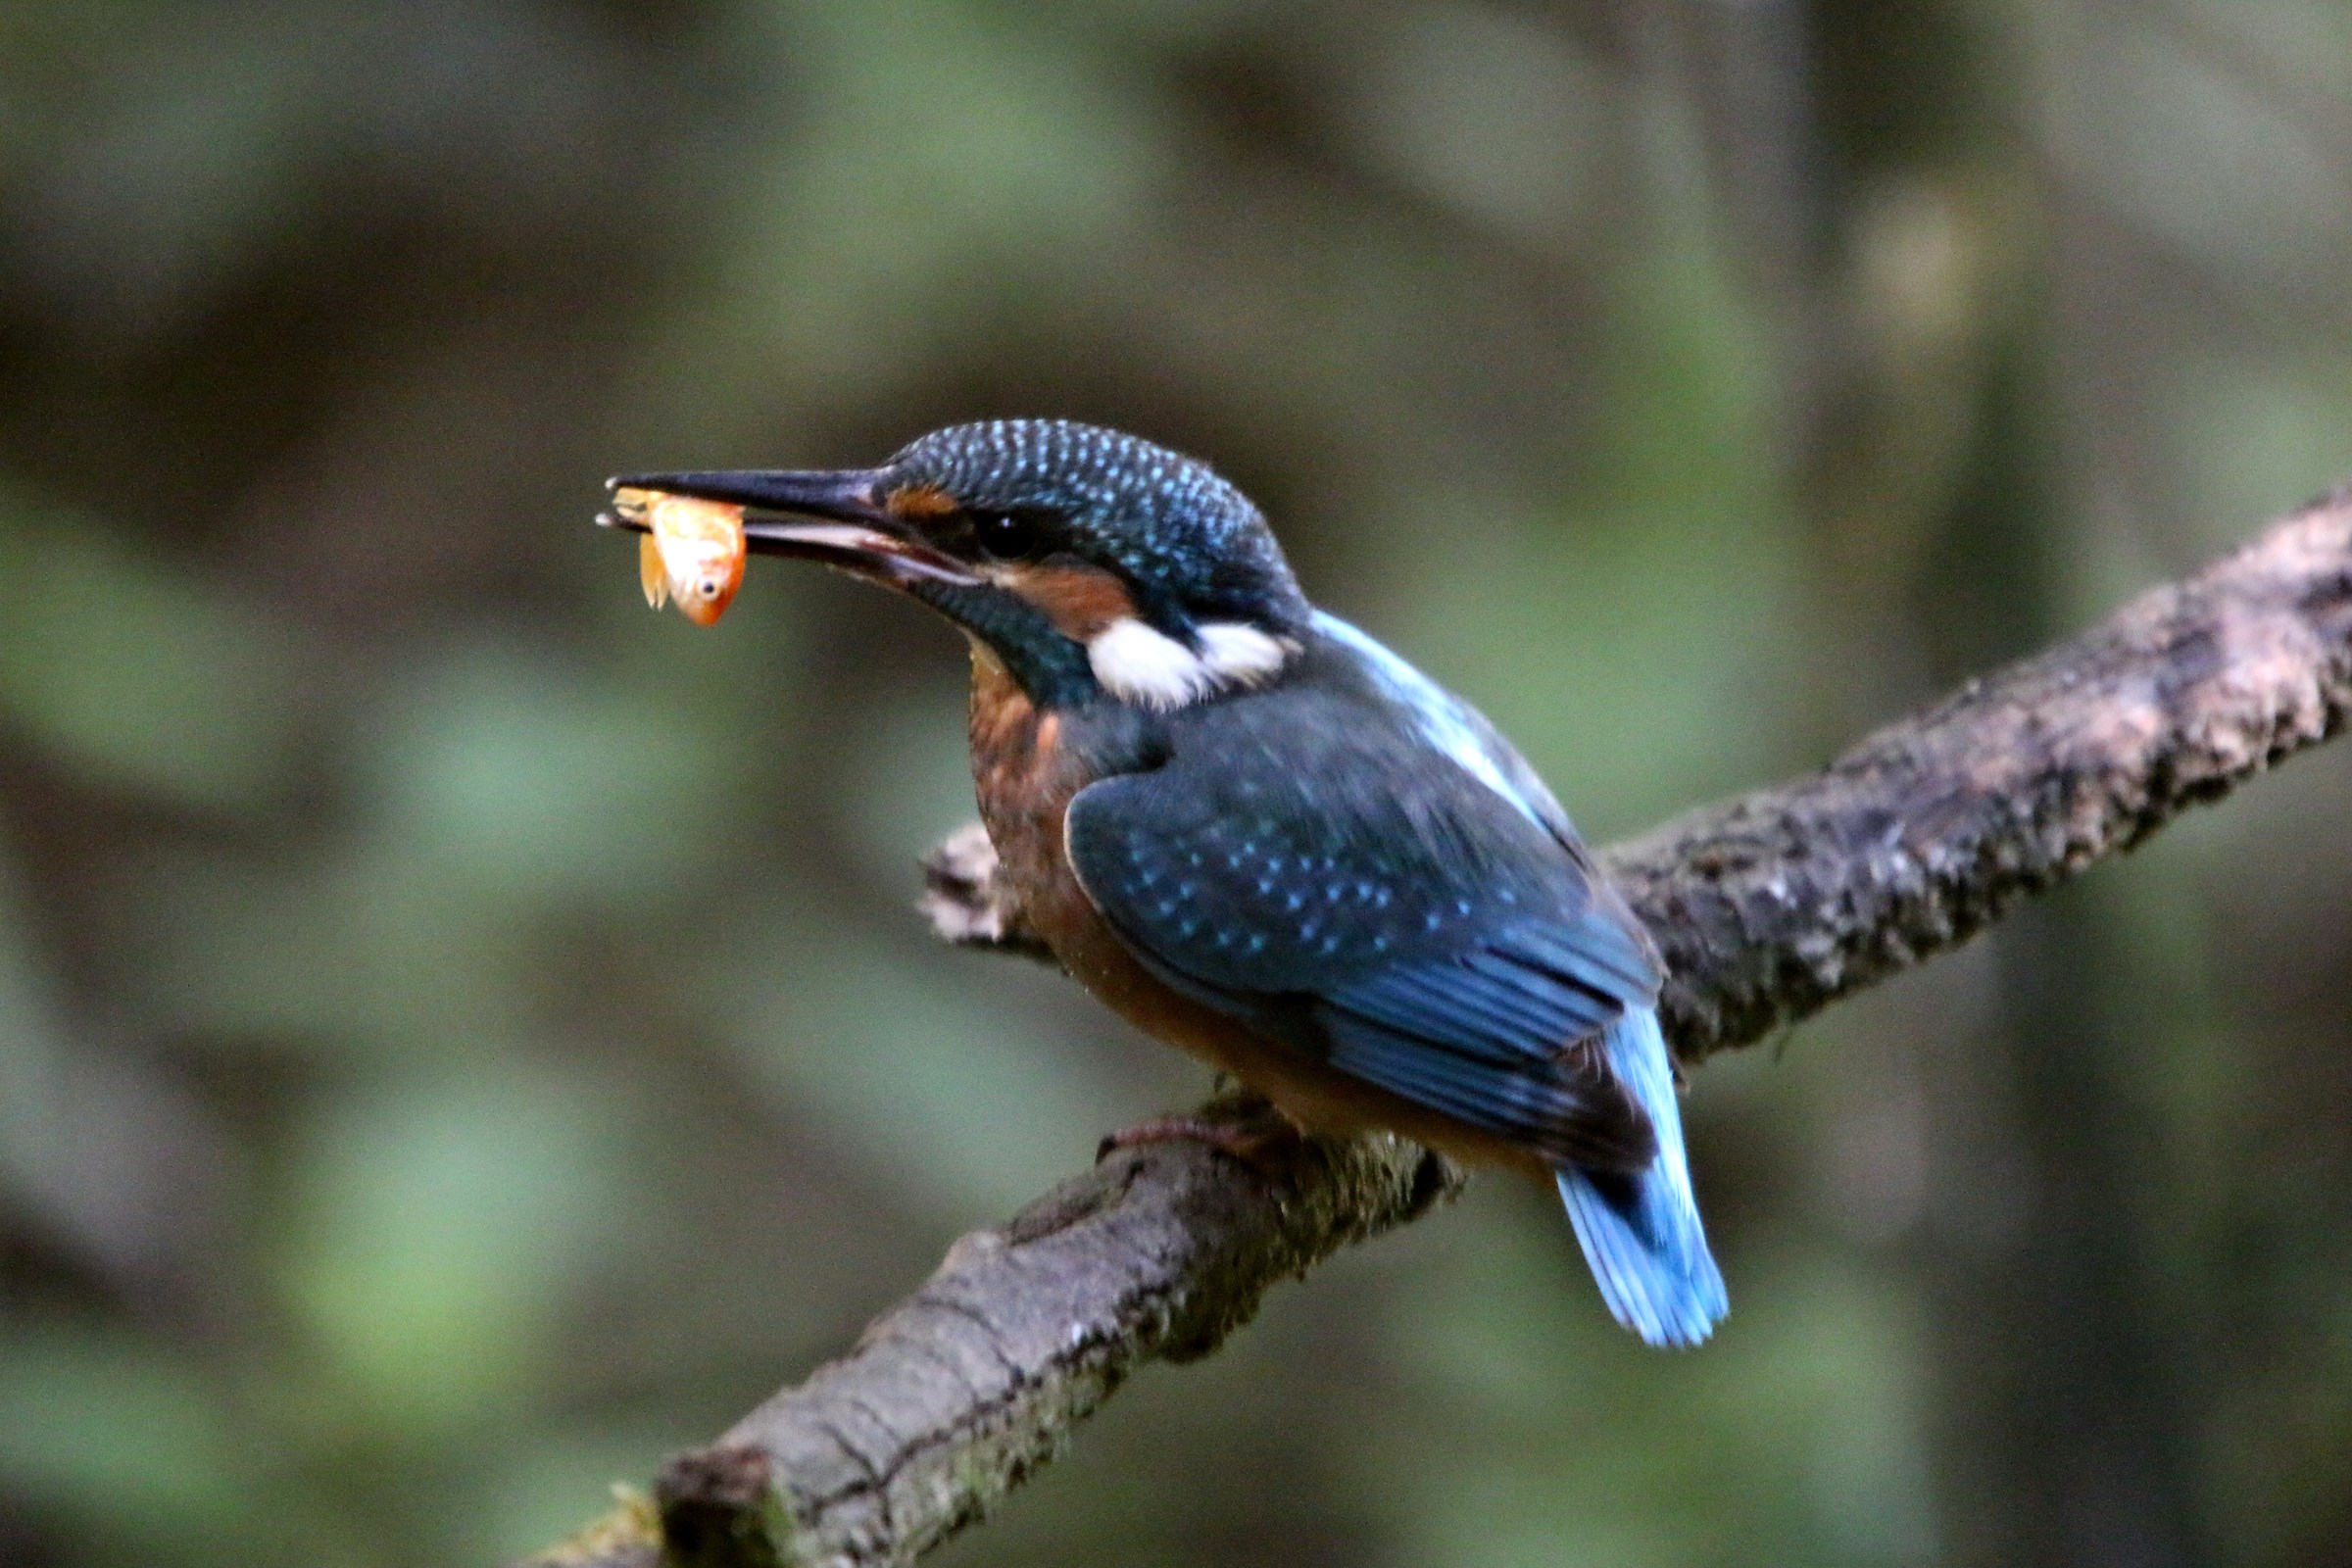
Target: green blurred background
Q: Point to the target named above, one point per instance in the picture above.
(463, 1037)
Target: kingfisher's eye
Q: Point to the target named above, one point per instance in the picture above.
(1007, 535)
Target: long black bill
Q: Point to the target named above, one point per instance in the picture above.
(855, 531)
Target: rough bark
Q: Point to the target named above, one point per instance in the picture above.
(1769, 908)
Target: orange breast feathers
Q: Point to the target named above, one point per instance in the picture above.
(1023, 778)
(691, 551)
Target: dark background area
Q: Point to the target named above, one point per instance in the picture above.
(463, 1037)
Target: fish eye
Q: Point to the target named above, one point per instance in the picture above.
(708, 587)
(1007, 535)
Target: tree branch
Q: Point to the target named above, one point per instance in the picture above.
(1769, 908)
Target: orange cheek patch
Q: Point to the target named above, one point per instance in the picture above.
(1080, 601)
(914, 502)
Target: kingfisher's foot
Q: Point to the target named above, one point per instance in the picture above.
(969, 903)
(1265, 1143)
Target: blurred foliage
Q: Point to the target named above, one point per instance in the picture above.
(461, 1037)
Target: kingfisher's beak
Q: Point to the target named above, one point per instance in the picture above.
(836, 516)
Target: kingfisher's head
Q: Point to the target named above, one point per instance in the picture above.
(1093, 565)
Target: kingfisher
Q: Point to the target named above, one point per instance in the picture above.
(1258, 834)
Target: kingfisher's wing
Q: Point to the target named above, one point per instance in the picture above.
(1309, 860)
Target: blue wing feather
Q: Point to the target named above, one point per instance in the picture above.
(1313, 843)
(1354, 848)
(1451, 1003)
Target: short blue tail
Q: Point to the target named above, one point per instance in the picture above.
(1640, 1232)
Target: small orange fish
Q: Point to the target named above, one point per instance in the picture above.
(690, 552)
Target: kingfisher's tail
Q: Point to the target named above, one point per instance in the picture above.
(1641, 1230)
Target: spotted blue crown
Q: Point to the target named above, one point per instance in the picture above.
(1192, 544)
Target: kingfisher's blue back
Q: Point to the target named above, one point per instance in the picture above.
(1355, 860)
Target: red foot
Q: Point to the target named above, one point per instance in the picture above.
(1263, 1146)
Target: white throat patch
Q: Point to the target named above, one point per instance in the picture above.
(1138, 663)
